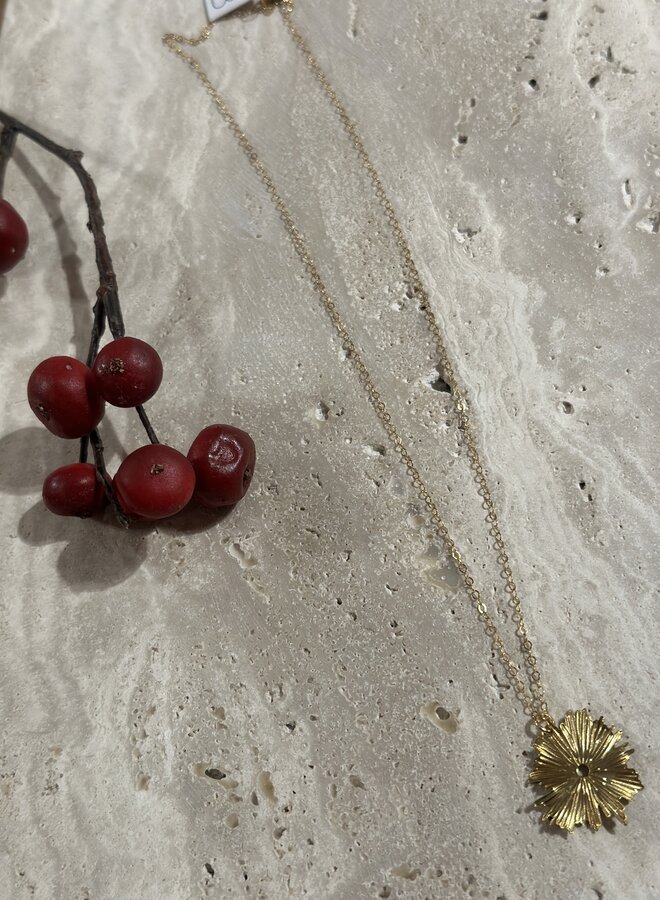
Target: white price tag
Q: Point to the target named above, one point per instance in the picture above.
(216, 9)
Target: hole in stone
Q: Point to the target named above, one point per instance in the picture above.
(593, 81)
(439, 384)
(442, 713)
(533, 84)
(567, 407)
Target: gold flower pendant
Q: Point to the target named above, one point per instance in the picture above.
(583, 771)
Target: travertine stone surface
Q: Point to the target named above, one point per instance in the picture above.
(248, 707)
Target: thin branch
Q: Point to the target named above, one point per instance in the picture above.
(107, 291)
(98, 327)
(151, 434)
(102, 473)
(84, 448)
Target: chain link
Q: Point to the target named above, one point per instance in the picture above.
(531, 695)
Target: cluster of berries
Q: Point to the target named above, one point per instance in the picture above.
(69, 397)
(154, 481)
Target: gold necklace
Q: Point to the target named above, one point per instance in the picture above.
(581, 763)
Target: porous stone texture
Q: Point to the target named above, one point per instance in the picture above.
(297, 700)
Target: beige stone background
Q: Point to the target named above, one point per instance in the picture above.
(298, 645)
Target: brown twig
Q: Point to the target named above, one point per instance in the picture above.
(107, 291)
(151, 434)
(102, 473)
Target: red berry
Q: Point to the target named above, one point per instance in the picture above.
(128, 372)
(14, 237)
(154, 482)
(223, 458)
(74, 491)
(62, 395)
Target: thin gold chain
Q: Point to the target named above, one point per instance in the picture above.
(532, 697)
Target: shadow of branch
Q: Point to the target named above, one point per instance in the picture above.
(71, 263)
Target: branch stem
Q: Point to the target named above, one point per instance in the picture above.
(102, 474)
(148, 427)
(84, 448)
(107, 291)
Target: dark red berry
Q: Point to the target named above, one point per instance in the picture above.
(223, 458)
(74, 491)
(14, 237)
(62, 394)
(128, 372)
(154, 482)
